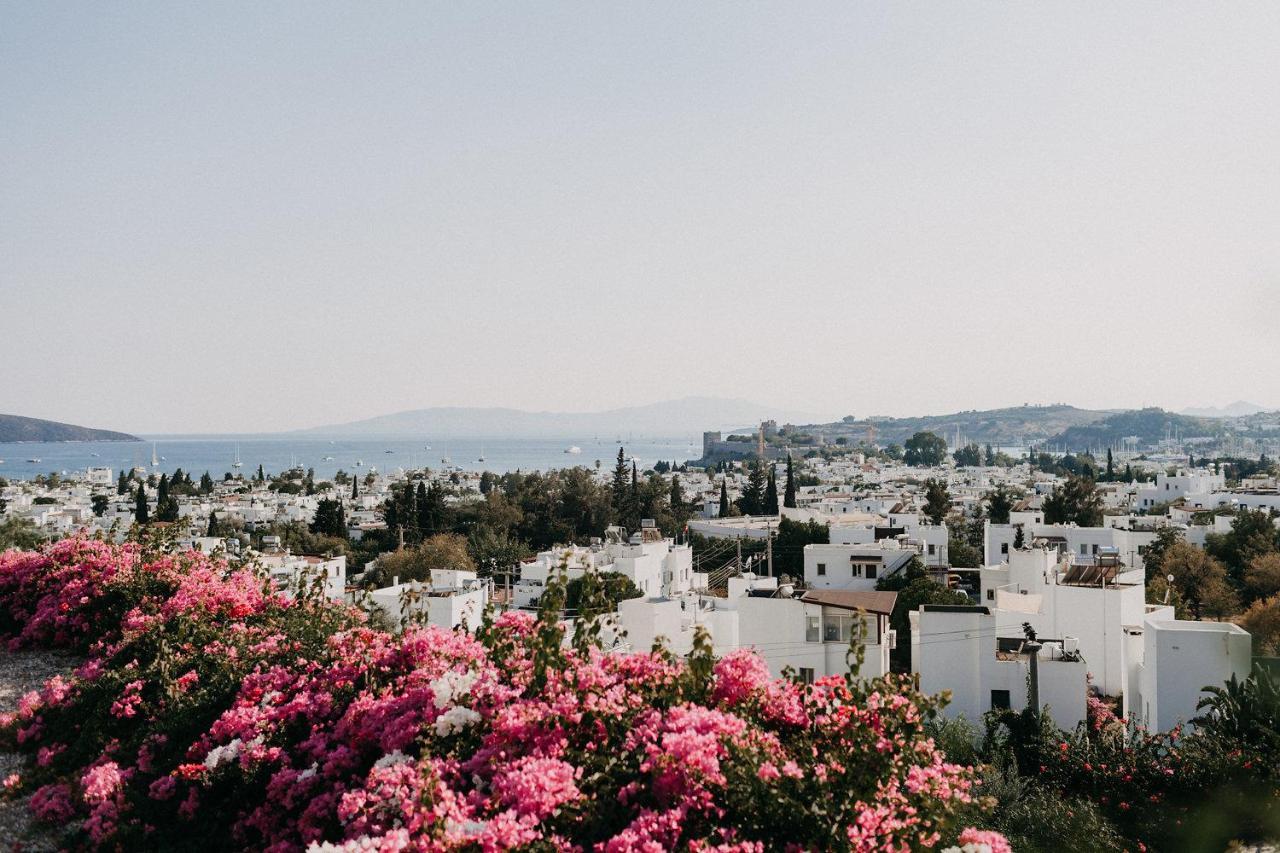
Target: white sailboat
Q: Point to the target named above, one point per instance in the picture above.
(237, 463)
(155, 461)
(481, 459)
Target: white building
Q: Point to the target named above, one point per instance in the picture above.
(1170, 661)
(288, 571)
(1090, 598)
(854, 566)
(453, 598)
(656, 565)
(808, 633)
(977, 653)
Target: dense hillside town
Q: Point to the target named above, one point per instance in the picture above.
(1119, 594)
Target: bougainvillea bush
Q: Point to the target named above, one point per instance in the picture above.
(213, 712)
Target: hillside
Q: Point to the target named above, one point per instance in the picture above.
(1148, 425)
(688, 416)
(1012, 426)
(18, 428)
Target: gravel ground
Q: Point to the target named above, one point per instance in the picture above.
(21, 672)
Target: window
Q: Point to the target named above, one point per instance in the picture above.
(991, 595)
(822, 568)
(806, 674)
(812, 630)
(999, 699)
(1004, 547)
(1084, 549)
(871, 572)
(933, 549)
(837, 628)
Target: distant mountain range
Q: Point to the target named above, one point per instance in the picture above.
(17, 428)
(685, 417)
(1238, 409)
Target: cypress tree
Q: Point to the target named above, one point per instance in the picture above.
(618, 491)
(426, 524)
(771, 494)
(724, 497)
(262, 476)
(140, 513)
(213, 525)
(789, 496)
(752, 501)
(355, 488)
(1111, 468)
(677, 494)
(122, 484)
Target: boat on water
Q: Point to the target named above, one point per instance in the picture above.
(575, 449)
(359, 462)
(34, 459)
(388, 451)
(155, 462)
(328, 459)
(445, 461)
(237, 463)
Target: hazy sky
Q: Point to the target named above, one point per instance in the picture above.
(279, 215)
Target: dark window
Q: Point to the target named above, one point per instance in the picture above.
(999, 699)
(1004, 547)
(822, 568)
(871, 572)
(991, 595)
(806, 674)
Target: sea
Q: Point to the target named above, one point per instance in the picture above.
(195, 455)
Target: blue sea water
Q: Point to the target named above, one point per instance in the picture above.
(215, 455)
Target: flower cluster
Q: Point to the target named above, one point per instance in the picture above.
(211, 712)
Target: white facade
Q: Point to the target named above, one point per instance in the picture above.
(856, 567)
(1034, 585)
(973, 652)
(810, 634)
(657, 566)
(290, 570)
(1170, 662)
(454, 598)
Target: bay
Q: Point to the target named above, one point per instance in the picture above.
(197, 454)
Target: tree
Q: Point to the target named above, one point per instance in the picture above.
(924, 449)
(1019, 538)
(140, 512)
(676, 498)
(969, 456)
(1200, 580)
(212, 531)
(1111, 465)
(999, 504)
(771, 494)
(166, 504)
(937, 501)
(442, 551)
(495, 553)
(1074, 501)
(1252, 534)
(1262, 576)
(914, 590)
(262, 476)
(789, 542)
(206, 484)
(355, 488)
(989, 456)
(1153, 560)
(894, 452)
(725, 510)
(122, 484)
(789, 495)
(1262, 621)
(619, 490)
(962, 554)
(330, 519)
(99, 504)
(614, 587)
(752, 500)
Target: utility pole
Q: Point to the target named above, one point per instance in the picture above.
(1033, 647)
(738, 542)
(768, 546)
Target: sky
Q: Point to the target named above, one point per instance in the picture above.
(262, 216)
